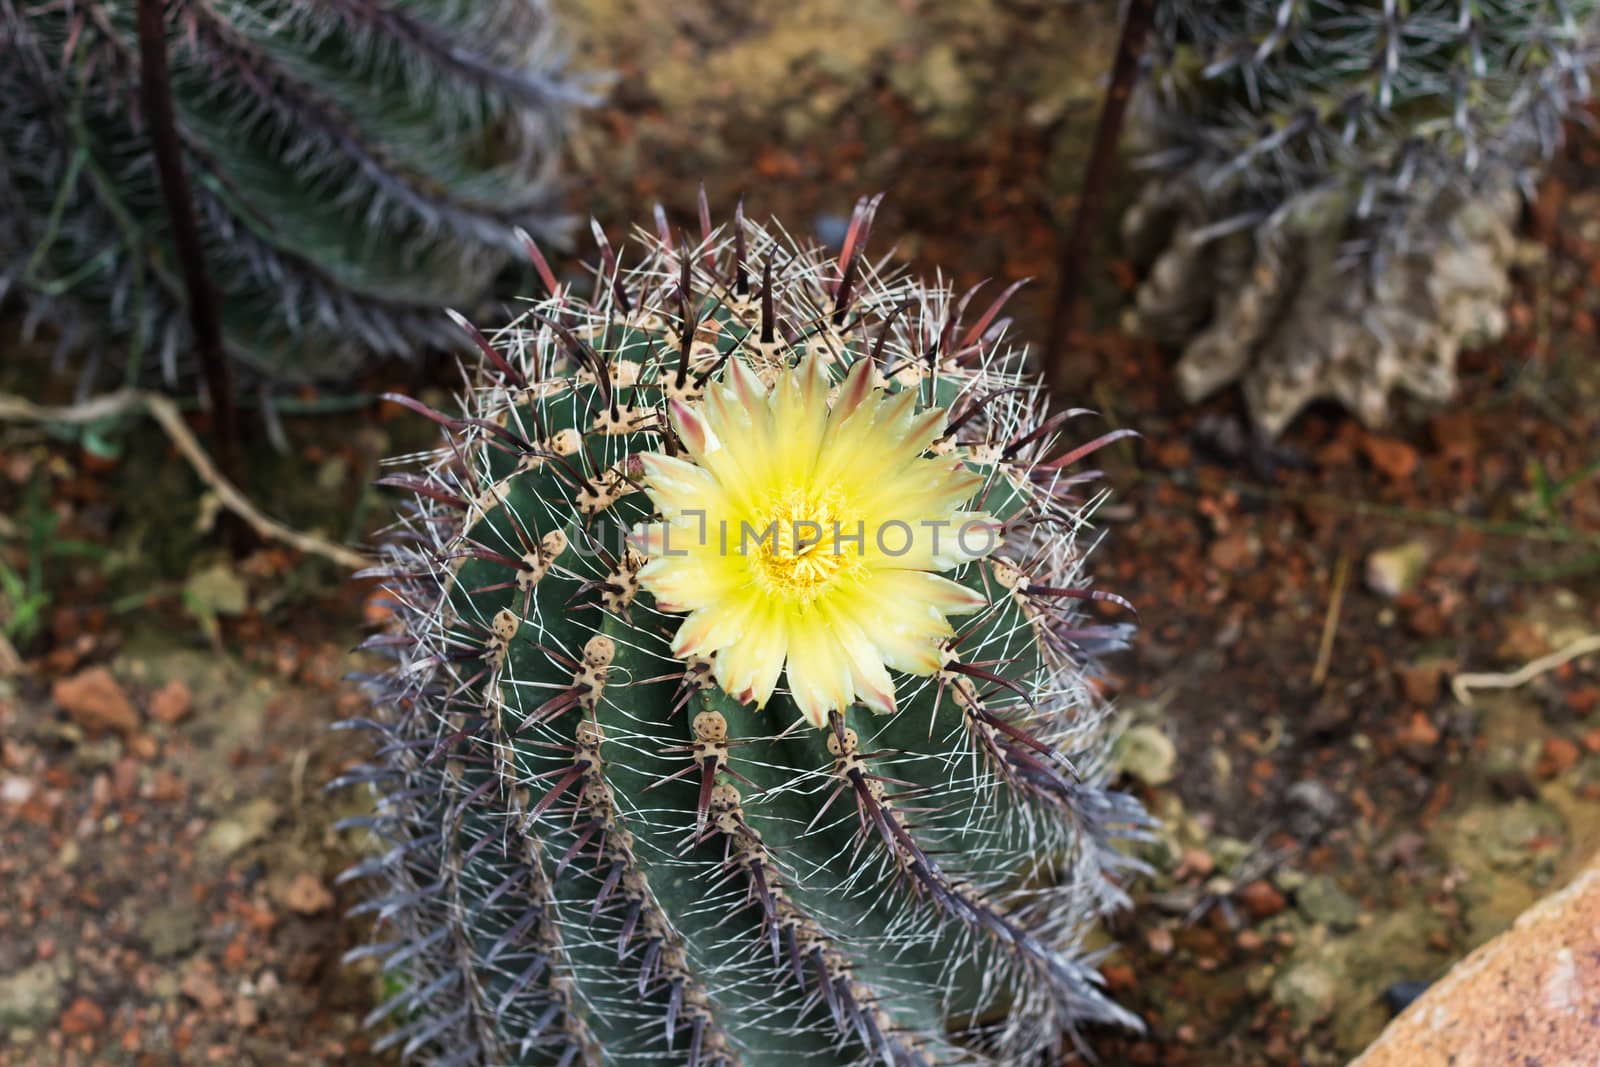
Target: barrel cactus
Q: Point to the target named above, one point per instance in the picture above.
(355, 165)
(740, 711)
(1335, 184)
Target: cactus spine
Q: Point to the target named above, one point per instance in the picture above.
(593, 852)
(355, 164)
(1335, 183)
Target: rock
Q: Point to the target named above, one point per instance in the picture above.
(1313, 807)
(1396, 460)
(171, 703)
(1418, 738)
(1557, 756)
(1309, 990)
(83, 1016)
(96, 701)
(1401, 995)
(1396, 570)
(1419, 683)
(1530, 996)
(1146, 754)
(31, 997)
(244, 825)
(170, 930)
(1261, 900)
(201, 986)
(216, 590)
(98, 754)
(306, 895)
(1322, 901)
(15, 789)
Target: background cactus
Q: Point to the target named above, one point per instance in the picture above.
(591, 852)
(356, 164)
(1335, 183)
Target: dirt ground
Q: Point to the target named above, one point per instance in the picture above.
(1339, 826)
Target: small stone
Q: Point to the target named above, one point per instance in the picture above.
(1418, 737)
(1419, 683)
(1314, 808)
(1119, 977)
(1517, 827)
(171, 703)
(1557, 756)
(216, 590)
(83, 1016)
(15, 789)
(306, 895)
(1261, 900)
(1309, 990)
(32, 996)
(244, 825)
(1322, 901)
(170, 930)
(1196, 863)
(1400, 995)
(1394, 571)
(1146, 754)
(1160, 940)
(1396, 460)
(96, 701)
(200, 985)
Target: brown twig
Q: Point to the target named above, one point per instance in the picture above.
(1079, 246)
(155, 99)
(166, 413)
(1330, 623)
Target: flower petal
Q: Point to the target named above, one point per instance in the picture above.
(819, 673)
(748, 669)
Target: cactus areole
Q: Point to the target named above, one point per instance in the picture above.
(739, 713)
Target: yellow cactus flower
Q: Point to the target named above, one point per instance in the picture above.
(806, 538)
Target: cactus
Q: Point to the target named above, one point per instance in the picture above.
(1335, 183)
(355, 165)
(609, 833)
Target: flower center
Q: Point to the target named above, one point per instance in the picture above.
(803, 543)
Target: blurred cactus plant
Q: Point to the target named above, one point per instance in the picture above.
(1334, 186)
(355, 165)
(740, 712)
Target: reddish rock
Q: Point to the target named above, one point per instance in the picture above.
(1419, 683)
(1418, 737)
(1529, 997)
(171, 703)
(1262, 900)
(1195, 863)
(1556, 757)
(83, 1016)
(1119, 977)
(96, 701)
(1396, 460)
(306, 895)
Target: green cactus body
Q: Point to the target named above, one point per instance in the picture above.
(596, 854)
(1333, 184)
(355, 165)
